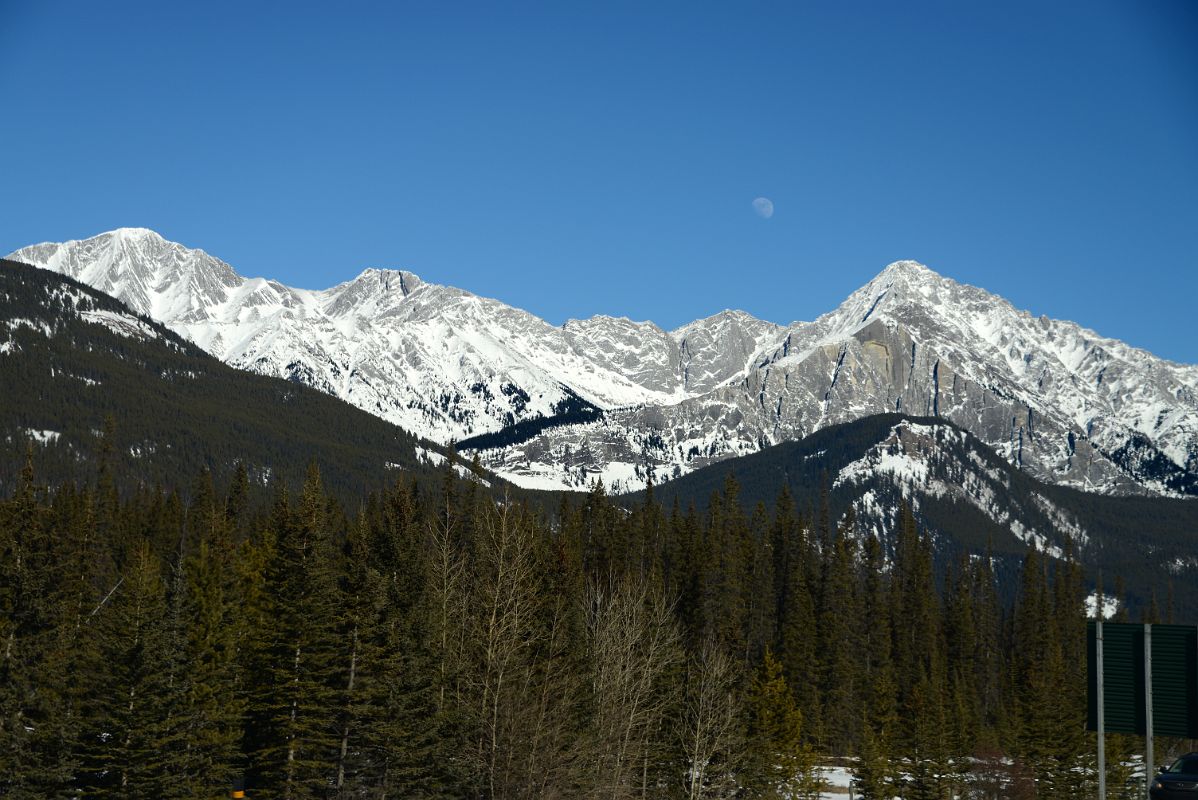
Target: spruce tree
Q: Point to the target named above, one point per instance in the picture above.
(37, 731)
(839, 648)
(780, 764)
(214, 602)
(797, 627)
(133, 704)
(297, 755)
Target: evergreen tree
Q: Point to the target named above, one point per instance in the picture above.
(780, 764)
(839, 644)
(37, 730)
(131, 742)
(796, 611)
(298, 752)
(213, 603)
(875, 775)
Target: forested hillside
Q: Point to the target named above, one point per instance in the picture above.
(971, 500)
(74, 360)
(432, 642)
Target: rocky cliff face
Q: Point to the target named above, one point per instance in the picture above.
(1051, 397)
(1060, 401)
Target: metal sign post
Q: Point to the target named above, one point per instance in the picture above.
(1142, 680)
(1101, 713)
(1148, 765)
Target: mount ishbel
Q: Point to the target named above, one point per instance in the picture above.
(557, 407)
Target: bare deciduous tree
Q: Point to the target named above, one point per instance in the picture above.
(711, 733)
(634, 644)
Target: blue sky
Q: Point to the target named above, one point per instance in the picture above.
(574, 158)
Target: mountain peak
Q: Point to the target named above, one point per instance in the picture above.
(910, 270)
(133, 233)
(389, 279)
(1050, 397)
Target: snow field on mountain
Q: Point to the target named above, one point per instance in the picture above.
(1052, 397)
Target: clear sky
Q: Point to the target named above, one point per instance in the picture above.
(575, 158)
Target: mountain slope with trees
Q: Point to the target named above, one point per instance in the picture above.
(971, 502)
(77, 363)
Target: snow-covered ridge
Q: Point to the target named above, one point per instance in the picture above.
(916, 460)
(439, 361)
(1052, 397)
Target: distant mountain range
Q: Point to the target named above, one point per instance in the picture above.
(72, 359)
(557, 407)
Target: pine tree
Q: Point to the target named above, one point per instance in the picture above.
(875, 775)
(928, 768)
(763, 607)
(726, 570)
(386, 745)
(132, 704)
(213, 606)
(780, 764)
(297, 755)
(37, 731)
(1050, 721)
(839, 648)
(796, 613)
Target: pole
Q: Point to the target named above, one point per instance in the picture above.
(1101, 711)
(1148, 755)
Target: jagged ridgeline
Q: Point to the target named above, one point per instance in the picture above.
(72, 357)
(1058, 400)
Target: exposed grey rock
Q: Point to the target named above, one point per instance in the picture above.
(1051, 397)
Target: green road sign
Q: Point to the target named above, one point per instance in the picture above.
(1174, 667)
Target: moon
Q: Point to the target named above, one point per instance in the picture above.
(763, 207)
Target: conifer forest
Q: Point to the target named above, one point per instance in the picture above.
(437, 642)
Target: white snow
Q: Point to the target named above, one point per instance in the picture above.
(430, 456)
(121, 324)
(37, 325)
(1110, 606)
(447, 365)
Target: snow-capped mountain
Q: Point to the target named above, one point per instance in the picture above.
(1060, 401)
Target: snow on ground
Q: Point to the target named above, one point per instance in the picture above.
(465, 472)
(120, 324)
(839, 781)
(617, 477)
(430, 456)
(19, 322)
(446, 364)
(435, 459)
(43, 437)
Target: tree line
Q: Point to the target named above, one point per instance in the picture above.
(435, 642)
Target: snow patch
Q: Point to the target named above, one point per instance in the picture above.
(431, 457)
(120, 324)
(1110, 606)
